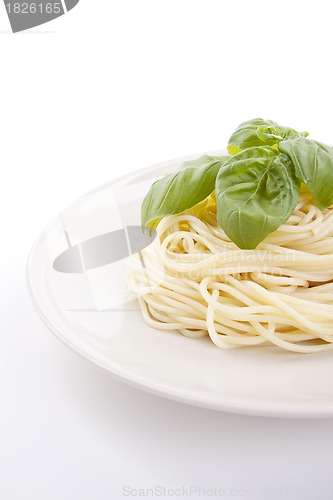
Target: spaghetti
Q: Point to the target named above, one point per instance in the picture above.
(195, 280)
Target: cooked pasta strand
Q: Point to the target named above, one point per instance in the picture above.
(196, 281)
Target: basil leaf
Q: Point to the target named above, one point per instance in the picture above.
(259, 132)
(256, 192)
(245, 135)
(182, 190)
(268, 135)
(273, 135)
(313, 162)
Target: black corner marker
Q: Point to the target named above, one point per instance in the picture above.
(70, 4)
(28, 14)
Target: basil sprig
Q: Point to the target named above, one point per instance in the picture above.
(256, 186)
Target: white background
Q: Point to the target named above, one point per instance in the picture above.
(111, 87)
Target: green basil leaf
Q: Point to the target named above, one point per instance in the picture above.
(181, 190)
(259, 132)
(245, 135)
(256, 192)
(313, 162)
(233, 150)
(268, 135)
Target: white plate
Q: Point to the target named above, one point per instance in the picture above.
(93, 313)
